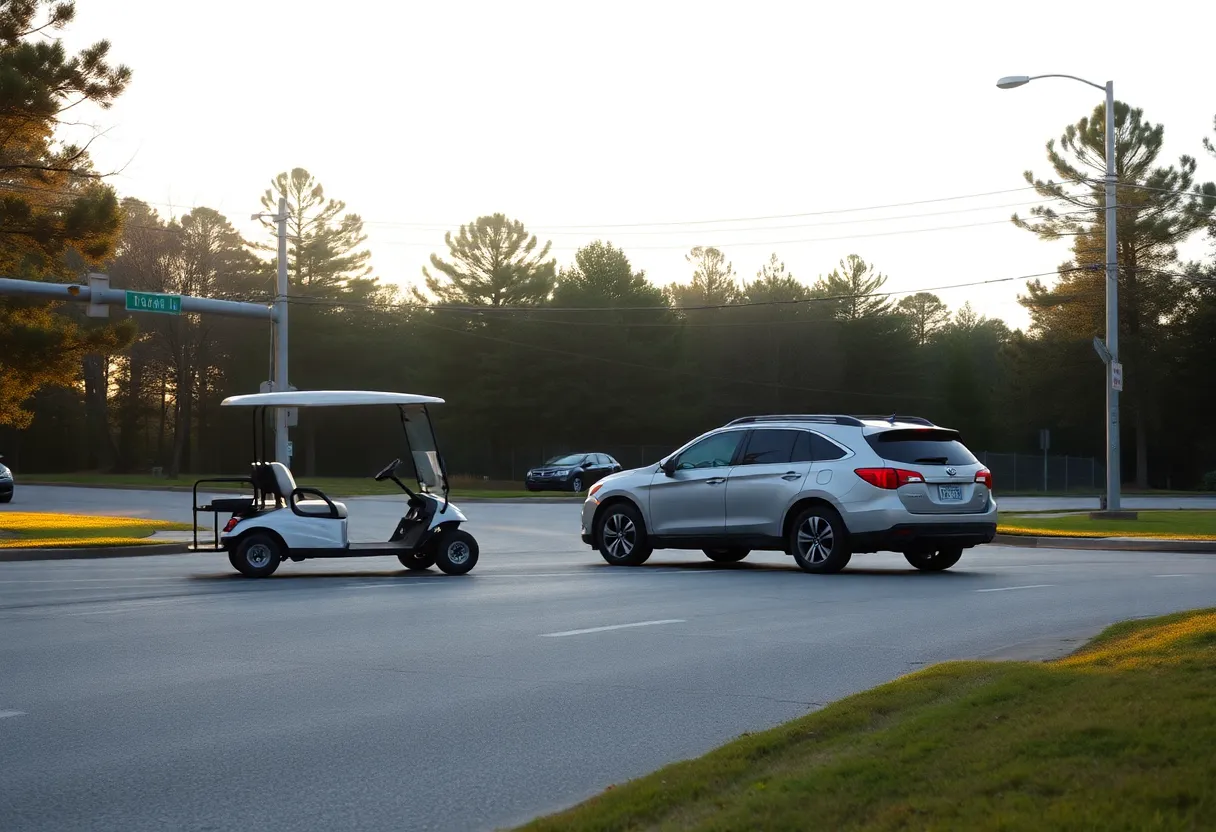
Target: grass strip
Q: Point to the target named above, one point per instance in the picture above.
(1119, 736)
(1157, 525)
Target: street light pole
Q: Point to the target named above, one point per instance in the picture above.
(1113, 477)
(1113, 458)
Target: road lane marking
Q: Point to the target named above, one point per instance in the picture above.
(1171, 576)
(7, 714)
(612, 627)
(1011, 588)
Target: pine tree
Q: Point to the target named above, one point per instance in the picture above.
(324, 247)
(1158, 208)
(713, 281)
(53, 203)
(852, 287)
(495, 263)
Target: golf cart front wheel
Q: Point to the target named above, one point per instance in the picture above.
(257, 556)
(455, 552)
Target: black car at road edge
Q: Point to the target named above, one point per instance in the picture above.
(6, 482)
(571, 472)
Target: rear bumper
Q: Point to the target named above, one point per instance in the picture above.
(912, 537)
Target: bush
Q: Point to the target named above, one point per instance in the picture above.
(1209, 481)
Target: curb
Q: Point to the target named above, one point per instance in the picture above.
(1109, 544)
(93, 552)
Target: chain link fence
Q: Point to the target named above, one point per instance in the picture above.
(1012, 472)
(1044, 473)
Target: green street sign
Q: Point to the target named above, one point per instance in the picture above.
(153, 302)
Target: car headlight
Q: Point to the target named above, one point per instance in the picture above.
(5, 474)
(563, 472)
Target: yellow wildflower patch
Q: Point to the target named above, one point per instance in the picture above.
(23, 521)
(21, 529)
(1031, 532)
(1166, 641)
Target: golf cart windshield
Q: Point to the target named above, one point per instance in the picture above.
(568, 459)
(427, 465)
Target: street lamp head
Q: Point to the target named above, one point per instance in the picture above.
(1011, 81)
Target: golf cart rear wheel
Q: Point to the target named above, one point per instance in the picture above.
(418, 561)
(455, 552)
(257, 556)
(938, 561)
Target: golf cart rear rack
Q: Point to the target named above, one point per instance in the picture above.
(262, 485)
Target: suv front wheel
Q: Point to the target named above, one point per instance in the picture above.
(620, 536)
(818, 541)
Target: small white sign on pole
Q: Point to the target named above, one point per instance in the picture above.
(1116, 376)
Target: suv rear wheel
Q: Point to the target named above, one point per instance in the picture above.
(621, 536)
(818, 541)
(938, 561)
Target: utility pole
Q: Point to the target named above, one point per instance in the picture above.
(282, 447)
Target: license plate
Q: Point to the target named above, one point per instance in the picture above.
(950, 493)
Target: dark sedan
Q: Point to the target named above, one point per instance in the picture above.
(571, 472)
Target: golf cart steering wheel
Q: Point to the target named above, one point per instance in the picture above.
(388, 470)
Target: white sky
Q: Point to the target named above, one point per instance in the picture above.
(423, 115)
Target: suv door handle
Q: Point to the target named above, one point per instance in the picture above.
(791, 476)
(716, 481)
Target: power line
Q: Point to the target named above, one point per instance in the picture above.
(746, 243)
(314, 301)
(585, 228)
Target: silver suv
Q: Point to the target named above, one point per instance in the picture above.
(819, 488)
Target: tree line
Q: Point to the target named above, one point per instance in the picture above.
(590, 354)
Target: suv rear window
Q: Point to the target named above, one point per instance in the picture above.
(921, 446)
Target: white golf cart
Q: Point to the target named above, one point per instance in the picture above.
(277, 523)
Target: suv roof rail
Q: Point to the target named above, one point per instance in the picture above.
(851, 421)
(896, 417)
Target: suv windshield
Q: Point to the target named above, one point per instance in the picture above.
(926, 447)
(570, 459)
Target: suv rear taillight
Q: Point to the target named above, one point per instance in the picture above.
(985, 476)
(889, 478)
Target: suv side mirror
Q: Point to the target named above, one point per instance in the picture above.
(669, 466)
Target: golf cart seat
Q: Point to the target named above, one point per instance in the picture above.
(285, 487)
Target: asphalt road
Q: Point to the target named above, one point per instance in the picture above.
(373, 518)
(153, 693)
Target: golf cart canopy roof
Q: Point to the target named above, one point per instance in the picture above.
(326, 398)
